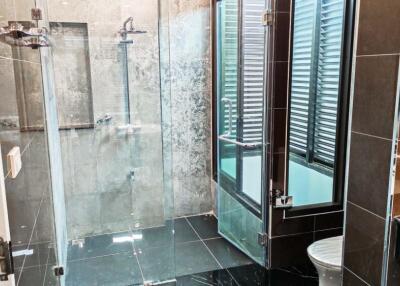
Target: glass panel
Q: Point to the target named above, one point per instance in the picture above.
(241, 106)
(228, 85)
(114, 145)
(239, 226)
(314, 100)
(32, 194)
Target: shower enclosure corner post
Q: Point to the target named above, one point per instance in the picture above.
(165, 99)
(55, 159)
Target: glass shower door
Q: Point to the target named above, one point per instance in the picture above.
(241, 124)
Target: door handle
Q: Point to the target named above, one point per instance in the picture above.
(230, 115)
(240, 144)
(6, 260)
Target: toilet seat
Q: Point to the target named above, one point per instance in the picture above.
(327, 252)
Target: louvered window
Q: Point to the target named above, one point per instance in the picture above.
(229, 53)
(253, 49)
(316, 61)
(243, 69)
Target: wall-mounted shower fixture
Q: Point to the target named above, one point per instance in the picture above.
(125, 30)
(24, 35)
(104, 120)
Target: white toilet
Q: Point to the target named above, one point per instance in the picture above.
(326, 255)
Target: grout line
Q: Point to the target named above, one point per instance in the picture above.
(314, 231)
(195, 215)
(193, 228)
(209, 250)
(373, 136)
(376, 55)
(18, 60)
(213, 238)
(185, 242)
(368, 211)
(30, 238)
(357, 276)
(308, 232)
(233, 278)
(327, 229)
(135, 253)
(100, 256)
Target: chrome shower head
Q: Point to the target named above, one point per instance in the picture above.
(125, 30)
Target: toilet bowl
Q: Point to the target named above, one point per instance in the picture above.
(326, 255)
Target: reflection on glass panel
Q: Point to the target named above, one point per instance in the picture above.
(316, 66)
(241, 51)
(228, 84)
(240, 226)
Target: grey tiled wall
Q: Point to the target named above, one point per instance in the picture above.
(371, 141)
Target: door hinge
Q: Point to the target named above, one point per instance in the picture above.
(280, 201)
(36, 14)
(58, 271)
(6, 260)
(267, 18)
(262, 239)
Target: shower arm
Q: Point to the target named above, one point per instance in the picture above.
(225, 137)
(129, 20)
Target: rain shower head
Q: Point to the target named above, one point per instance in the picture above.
(24, 34)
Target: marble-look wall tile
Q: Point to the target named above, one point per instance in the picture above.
(112, 180)
(191, 105)
(8, 106)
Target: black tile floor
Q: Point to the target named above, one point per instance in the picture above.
(158, 254)
(194, 252)
(248, 275)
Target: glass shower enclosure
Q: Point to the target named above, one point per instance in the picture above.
(87, 102)
(242, 56)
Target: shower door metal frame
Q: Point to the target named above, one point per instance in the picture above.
(236, 184)
(234, 187)
(4, 221)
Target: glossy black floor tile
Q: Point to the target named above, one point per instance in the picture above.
(183, 231)
(206, 226)
(227, 254)
(119, 269)
(161, 254)
(155, 237)
(249, 275)
(157, 264)
(291, 277)
(193, 257)
(34, 255)
(37, 275)
(217, 278)
(100, 245)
